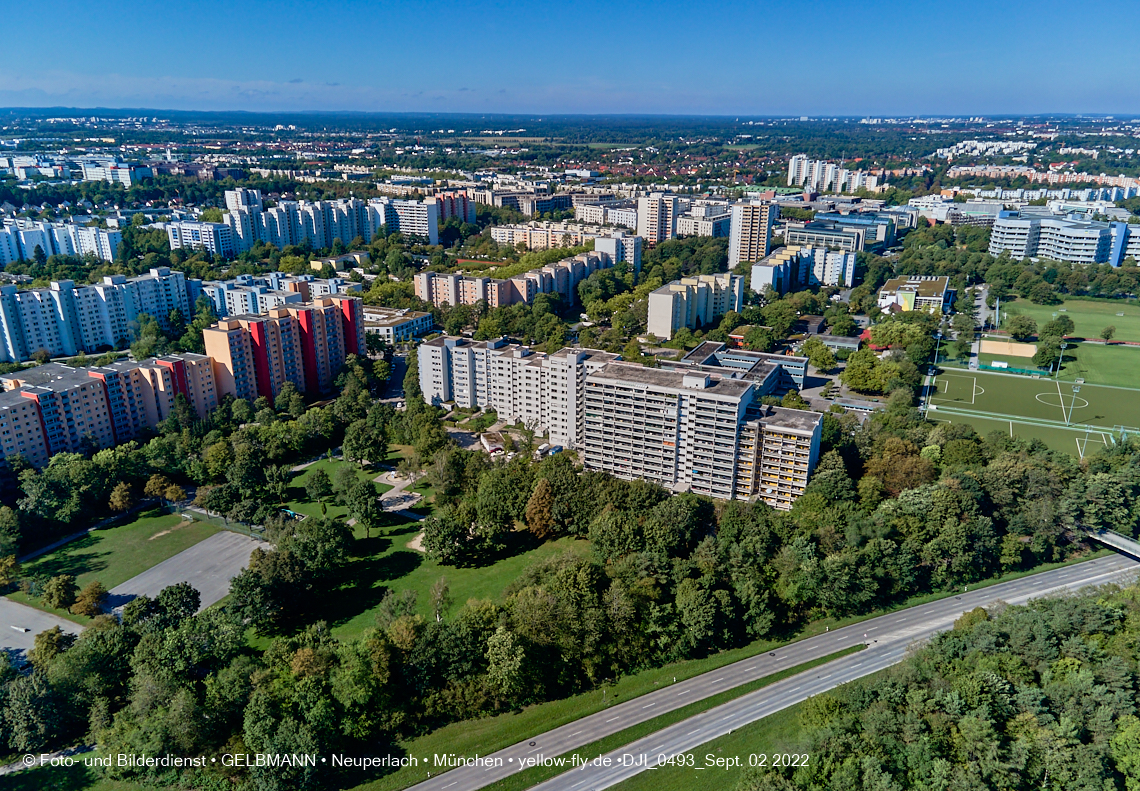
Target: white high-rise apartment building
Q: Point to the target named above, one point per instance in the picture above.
(250, 200)
(65, 319)
(620, 247)
(19, 239)
(750, 231)
(216, 238)
(833, 267)
(693, 302)
(699, 427)
(541, 390)
(820, 176)
(320, 223)
(657, 216)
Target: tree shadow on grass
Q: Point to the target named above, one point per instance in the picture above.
(364, 580)
(75, 558)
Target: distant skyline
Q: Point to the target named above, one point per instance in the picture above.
(765, 58)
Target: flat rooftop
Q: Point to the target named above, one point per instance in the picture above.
(634, 373)
(798, 420)
(924, 285)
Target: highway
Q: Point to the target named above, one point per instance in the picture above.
(887, 637)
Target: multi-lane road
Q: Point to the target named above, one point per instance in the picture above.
(887, 638)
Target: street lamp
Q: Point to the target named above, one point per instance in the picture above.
(1076, 389)
(1061, 357)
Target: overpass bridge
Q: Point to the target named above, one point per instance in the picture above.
(1118, 541)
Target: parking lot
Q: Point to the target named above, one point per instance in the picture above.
(208, 566)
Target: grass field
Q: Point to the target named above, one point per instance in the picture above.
(114, 555)
(384, 562)
(300, 502)
(1028, 408)
(1089, 318)
(1096, 363)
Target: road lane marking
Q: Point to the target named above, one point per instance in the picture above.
(648, 705)
(690, 733)
(718, 680)
(611, 719)
(575, 733)
(685, 692)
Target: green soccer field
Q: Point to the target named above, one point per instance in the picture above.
(1075, 422)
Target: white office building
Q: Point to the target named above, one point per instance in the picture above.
(1030, 234)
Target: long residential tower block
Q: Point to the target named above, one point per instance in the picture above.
(697, 424)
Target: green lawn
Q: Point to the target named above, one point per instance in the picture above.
(300, 502)
(116, 554)
(73, 778)
(385, 561)
(1089, 317)
(1114, 364)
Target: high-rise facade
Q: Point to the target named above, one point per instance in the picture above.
(1029, 234)
(19, 239)
(820, 176)
(321, 223)
(750, 231)
(55, 408)
(794, 267)
(657, 217)
(693, 302)
(216, 238)
(303, 343)
(561, 277)
(66, 319)
(697, 425)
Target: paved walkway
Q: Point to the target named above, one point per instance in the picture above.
(209, 566)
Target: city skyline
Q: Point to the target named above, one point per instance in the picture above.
(724, 61)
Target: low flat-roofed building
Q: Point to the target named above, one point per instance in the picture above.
(396, 325)
(839, 342)
(918, 292)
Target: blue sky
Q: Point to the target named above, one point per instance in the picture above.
(738, 58)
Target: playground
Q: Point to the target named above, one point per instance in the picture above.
(1071, 416)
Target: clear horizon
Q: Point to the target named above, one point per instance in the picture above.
(768, 59)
